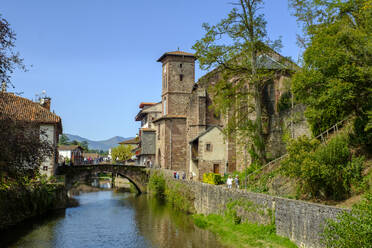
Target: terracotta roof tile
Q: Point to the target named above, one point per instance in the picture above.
(22, 109)
(176, 53)
(143, 104)
(68, 147)
(130, 142)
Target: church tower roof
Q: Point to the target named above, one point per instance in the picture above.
(176, 53)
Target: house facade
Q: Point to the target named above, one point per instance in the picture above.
(145, 152)
(71, 153)
(48, 123)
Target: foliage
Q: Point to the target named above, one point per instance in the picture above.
(122, 152)
(23, 147)
(351, 229)
(63, 140)
(285, 101)
(157, 184)
(336, 75)
(171, 191)
(234, 234)
(178, 196)
(324, 170)
(212, 178)
(9, 60)
(238, 46)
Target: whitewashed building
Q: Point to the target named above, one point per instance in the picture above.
(50, 124)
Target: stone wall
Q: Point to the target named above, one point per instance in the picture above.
(19, 204)
(302, 222)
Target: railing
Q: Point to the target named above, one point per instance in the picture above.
(330, 130)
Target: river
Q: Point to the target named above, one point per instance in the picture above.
(108, 219)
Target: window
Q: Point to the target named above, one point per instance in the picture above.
(180, 65)
(165, 106)
(208, 147)
(159, 132)
(45, 168)
(181, 77)
(165, 76)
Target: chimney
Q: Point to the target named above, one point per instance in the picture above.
(45, 102)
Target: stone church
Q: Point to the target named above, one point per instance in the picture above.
(189, 134)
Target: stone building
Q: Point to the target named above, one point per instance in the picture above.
(189, 133)
(38, 114)
(145, 152)
(178, 79)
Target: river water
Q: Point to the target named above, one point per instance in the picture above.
(108, 219)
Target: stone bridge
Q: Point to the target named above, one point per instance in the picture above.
(138, 175)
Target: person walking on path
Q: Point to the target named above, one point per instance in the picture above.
(229, 182)
(236, 181)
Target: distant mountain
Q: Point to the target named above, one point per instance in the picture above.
(98, 145)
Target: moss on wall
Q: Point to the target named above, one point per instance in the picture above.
(21, 203)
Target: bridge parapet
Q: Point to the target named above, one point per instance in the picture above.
(138, 175)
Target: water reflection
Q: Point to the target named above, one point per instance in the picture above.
(107, 219)
(168, 228)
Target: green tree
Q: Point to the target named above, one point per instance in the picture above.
(337, 62)
(84, 144)
(122, 152)
(323, 170)
(237, 46)
(351, 229)
(63, 140)
(9, 60)
(23, 147)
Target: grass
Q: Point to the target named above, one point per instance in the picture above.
(241, 235)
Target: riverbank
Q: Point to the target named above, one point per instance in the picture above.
(301, 222)
(230, 223)
(233, 233)
(18, 204)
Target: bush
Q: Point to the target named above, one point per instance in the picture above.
(351, 229)
(157, 184)
(325, 170)
(212, 178)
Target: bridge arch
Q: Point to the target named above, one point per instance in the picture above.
(137, 175)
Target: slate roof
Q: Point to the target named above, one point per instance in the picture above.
(164, 117)
(23, 109)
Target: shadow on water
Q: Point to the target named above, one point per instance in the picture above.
(10, 236)
(108, 219)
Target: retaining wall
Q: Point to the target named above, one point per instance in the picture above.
(302, 222)
(19, 204)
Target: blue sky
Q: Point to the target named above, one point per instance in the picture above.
(96, 59)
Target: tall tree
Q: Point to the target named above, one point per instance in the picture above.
(122, 152)
(9, 60)
(237, 46)
(336, 76)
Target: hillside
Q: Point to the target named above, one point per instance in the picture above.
(98, 145)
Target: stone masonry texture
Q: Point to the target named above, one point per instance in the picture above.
(302, 222)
